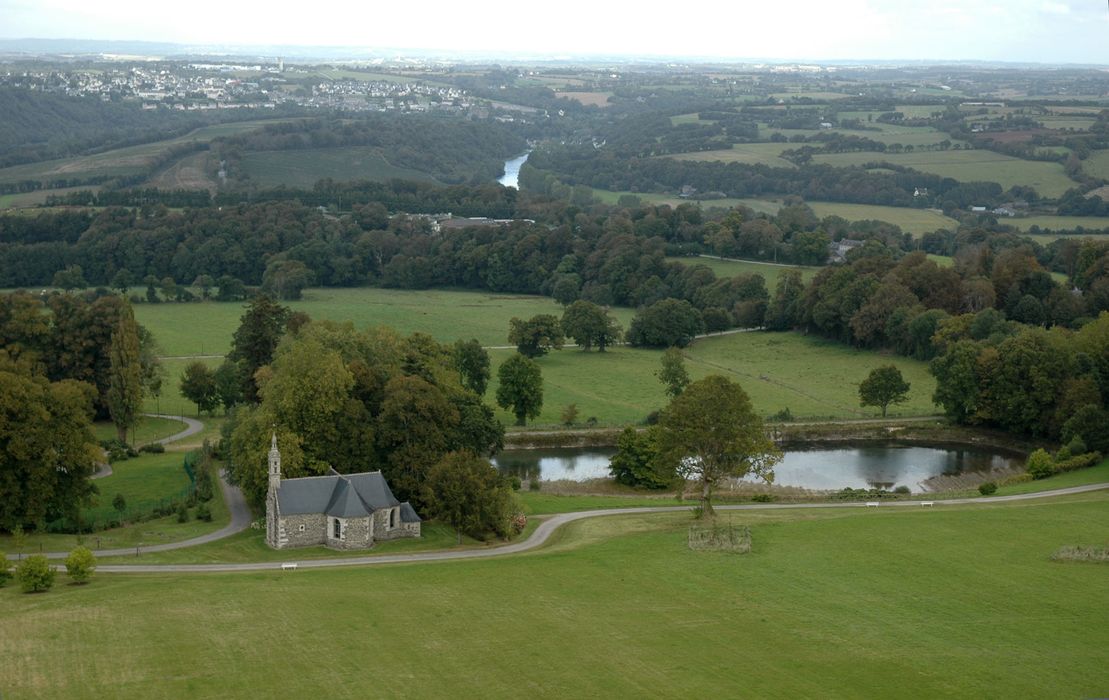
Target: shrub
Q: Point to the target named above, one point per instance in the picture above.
(34, 574)
(987, 488)
(515, 483)
(153, 448)
(1040, 464)
(782, 416)
(763, 498)
(1063, 454)
(570, 414)
(1077, 446)
(1080, 462)
(519, 522)
(117, 450)
(903, 490)
(182, 513)
(534, 484)
(5, 569)
(119, 503)
(80, 564)
(203, 512)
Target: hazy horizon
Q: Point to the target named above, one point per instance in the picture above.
(1024, 31)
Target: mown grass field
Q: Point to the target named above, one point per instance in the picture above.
(812, 377)
(1057, 223)
(731, 268)
(302, 168)
(746, 153)
(944, 602)
(915, 221)
(616, 387)
(203, 329)
(146, 429)
(1097, 164)
(977, 165)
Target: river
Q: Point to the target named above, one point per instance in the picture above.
(876, 466)
(511, 177)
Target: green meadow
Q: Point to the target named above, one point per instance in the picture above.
(915, 221)
(1097, 164)
(746, 153)
(968, 166)
(731, 268)
(779, 370)
(1056, 223)
(302, 168)
(941, 602)
(123, 161)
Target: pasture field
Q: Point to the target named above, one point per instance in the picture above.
(447, 315)
(731, 268)
(123, 161)
(1097, 164)
(845, 603)
(193, 172)
(673, 200)
(1059, 223)
(691, 118)
(746, 153)
(38, 197)
(594, 99)
(302, 168)
(977, 165)
(148, 429)
(812, 377)
(915, 221)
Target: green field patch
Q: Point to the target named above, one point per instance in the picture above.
(1097, 164)
(1060, 223)
(915, 221)
(147, 429)
(730, 268)
(302, 168)
(968, 166)
(692, 118)
(124, 161)
(826, 604)
(746, 153)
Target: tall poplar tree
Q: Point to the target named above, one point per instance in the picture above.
(125, 377)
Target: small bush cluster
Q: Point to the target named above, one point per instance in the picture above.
(1042, 465)
(764, 498)
(850, 494)
(987, 488)
(118, 450)
(156, 448)
(34, 574)
(782, 416)
(80, 564)
(203, 512)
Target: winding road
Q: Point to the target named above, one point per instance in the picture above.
(539, 537)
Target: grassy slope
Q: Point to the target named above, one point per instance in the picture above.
(146, 430)
(976, 165)
(915, 221)
(123, 161)
(1097, 165)
(731, 268)
(948, 602)
(195, 329)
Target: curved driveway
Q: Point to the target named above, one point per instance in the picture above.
(543, 533)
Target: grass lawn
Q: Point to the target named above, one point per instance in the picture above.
(1057, 223)
(206, 328)
(150, 532)
(146, 430)
(746, 153)
(915, 221)
(1097, 164)
(968, 166)
(302, 168)
(731, 268)
(813, 377)
(144, 481)
(948, 602)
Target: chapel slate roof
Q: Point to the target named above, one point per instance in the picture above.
(408, 513)
(338, 495)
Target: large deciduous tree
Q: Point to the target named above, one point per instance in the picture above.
(712, 433)
(47, 450)
(472, 362)
(521, 388)
(198, 384)
(589, 324)
(465, 491)
(670, 322)
(882, 387)
(536, 336)
(673, 374)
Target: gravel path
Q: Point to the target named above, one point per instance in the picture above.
(544, 531)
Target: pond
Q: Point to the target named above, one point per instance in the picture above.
(869, 466)
(511, 177)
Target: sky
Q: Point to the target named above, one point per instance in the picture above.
(1043, 31)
